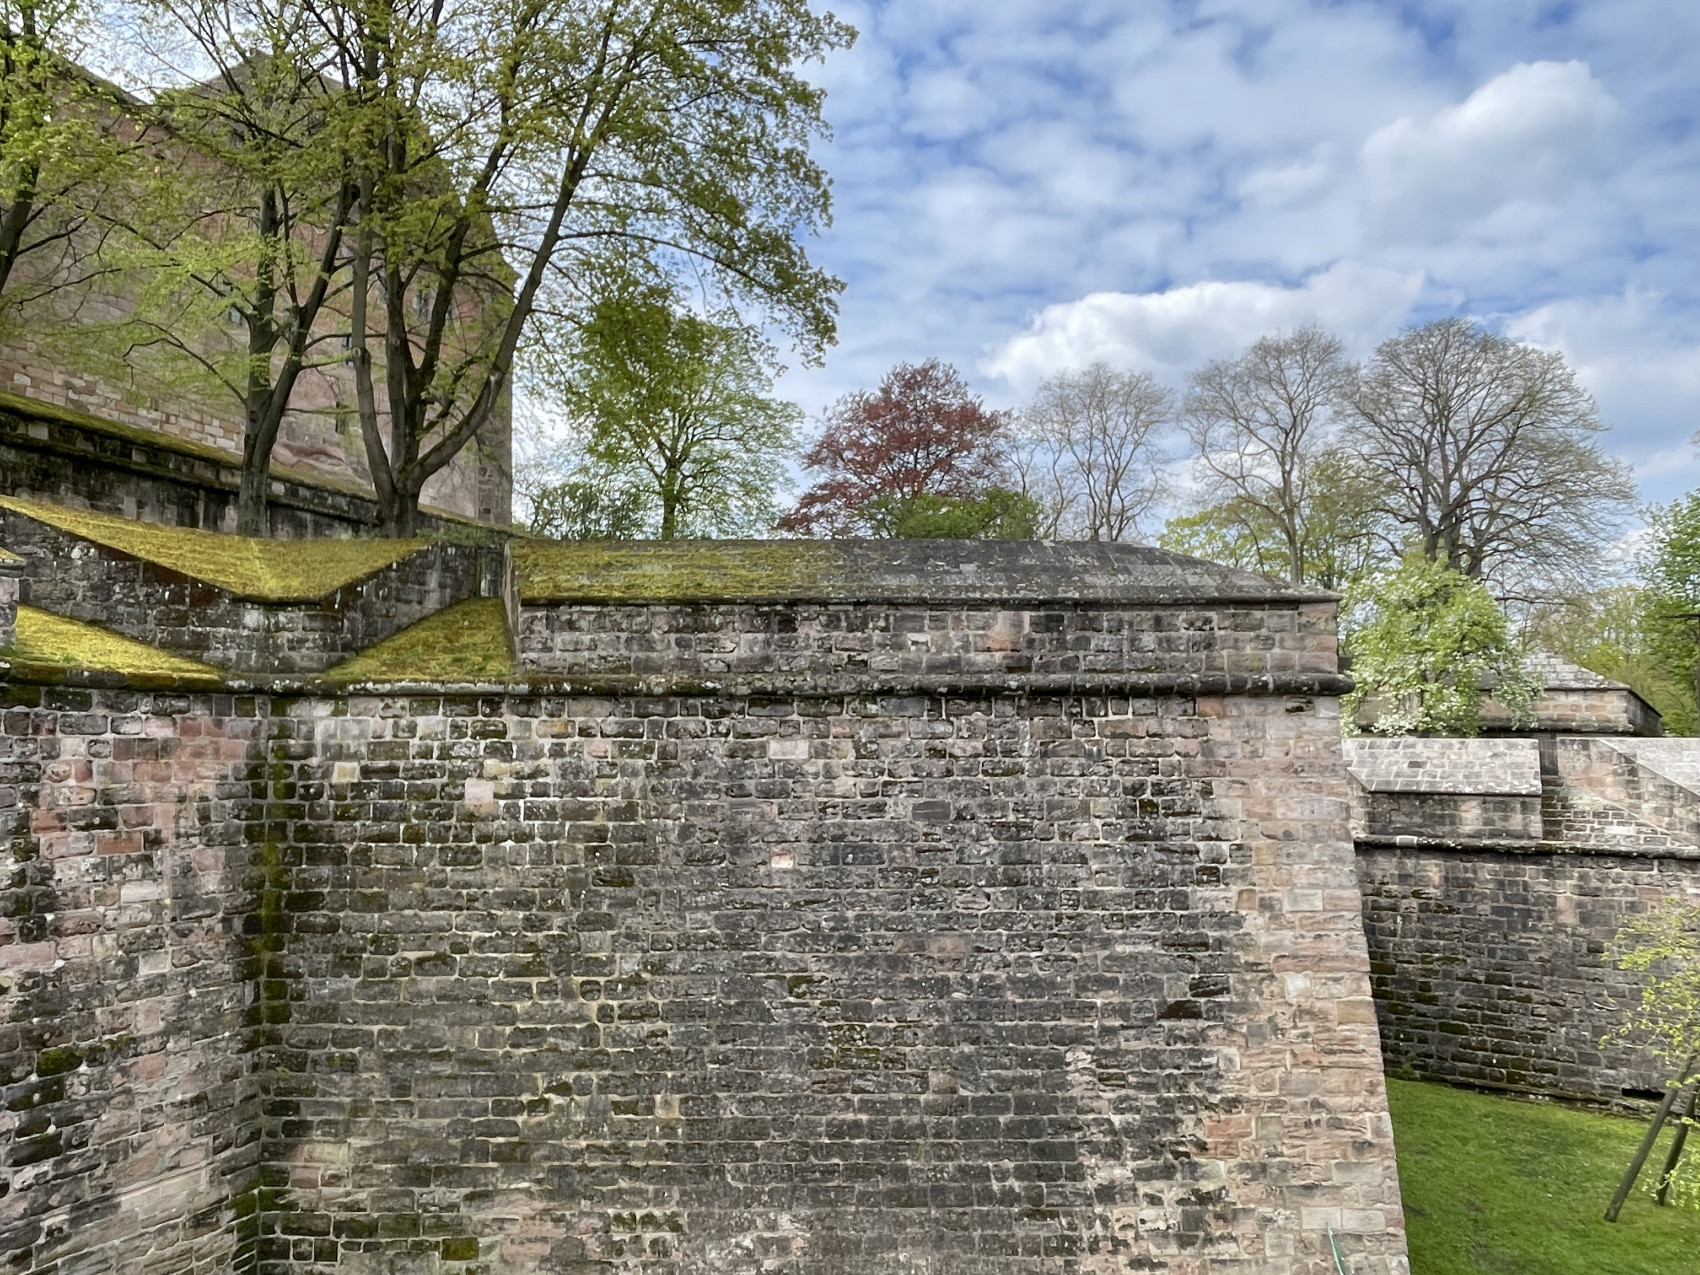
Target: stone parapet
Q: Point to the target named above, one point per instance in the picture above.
(855, 978)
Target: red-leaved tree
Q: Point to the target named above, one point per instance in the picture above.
(922, 433)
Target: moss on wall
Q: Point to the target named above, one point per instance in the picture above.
(673, 571)
(467, 642)
(45, 638)
(262, 570)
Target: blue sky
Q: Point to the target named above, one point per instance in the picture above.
(1024, 186)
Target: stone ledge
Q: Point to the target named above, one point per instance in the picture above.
(1506, 845)
(1320, 685)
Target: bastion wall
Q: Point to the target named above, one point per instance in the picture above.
(1496, 873)
(985, 915)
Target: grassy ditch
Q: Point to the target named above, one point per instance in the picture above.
(1498, 1186)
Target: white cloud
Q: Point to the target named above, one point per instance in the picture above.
(1171, 332)
(1640, 356)
(1525, 136)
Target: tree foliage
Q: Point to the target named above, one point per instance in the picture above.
(674, 411)
(506, 144)
(1664, 945)
(997, 514)
(1086, 452)
(588, 504)
(1423, 639)
(1489, 453)
(1339, 528)
(921, 434)
(1669, 568)
(1262, 427)
(64, 147)
(236, 238)
(1621, 633)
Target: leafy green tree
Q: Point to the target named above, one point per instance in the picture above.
(589, 505)
(1423, 638)
(676, 409)
(240, 230)
(1664, 945)
(997, 514)
(1669, 567)
(1339, 531)
(1620, 633)
(64, 137)
(507, 145)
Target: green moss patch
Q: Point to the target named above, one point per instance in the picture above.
(263, 570)
(467, 642)
(679, 570)
(45, 638)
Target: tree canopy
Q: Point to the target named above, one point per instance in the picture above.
(674, 411)
(921, 434)
(1423, 639)
(1486, 454)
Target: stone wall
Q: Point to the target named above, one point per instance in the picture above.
(838, 984)
(123, 468)
(1058, 646)
(74, 577)
(1490, 967)
(11, 568)
(131, 1123)
(1010, 937)
(1495, 872)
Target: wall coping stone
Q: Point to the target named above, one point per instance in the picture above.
(1011, 573)
(1476, 766)
(1506, 845)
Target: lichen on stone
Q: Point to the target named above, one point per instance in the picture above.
(55, 640)
(467, 642)
(260, 570)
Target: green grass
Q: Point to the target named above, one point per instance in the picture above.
(1498, 1186)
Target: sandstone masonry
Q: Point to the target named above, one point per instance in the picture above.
(996, 921)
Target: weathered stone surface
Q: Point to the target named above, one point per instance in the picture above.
(74, 577)
(144, 473)
(1490, 968)
(130, 1129)
(1061, 972)
(1490, 964)
(11, 568)
(846, 647)
(1000, 984)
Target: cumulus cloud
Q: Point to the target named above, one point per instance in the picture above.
(1524, 137)
(1023, 187)
(1171, 332)
(1639, 354)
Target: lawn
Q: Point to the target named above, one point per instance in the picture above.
(1497, 1186)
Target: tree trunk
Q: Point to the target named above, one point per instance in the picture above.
(251, 519)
